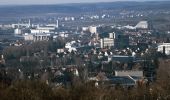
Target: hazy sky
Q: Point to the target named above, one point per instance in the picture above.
(25, 2)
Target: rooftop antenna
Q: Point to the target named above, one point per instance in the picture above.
(57, 24)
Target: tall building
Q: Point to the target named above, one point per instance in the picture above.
(57, 24)
(122, 41)
(112, 35)
(107, 42)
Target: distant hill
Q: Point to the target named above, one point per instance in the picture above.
(10, 11)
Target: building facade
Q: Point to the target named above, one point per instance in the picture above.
(122, 41)
(106, 42)
(164, 48)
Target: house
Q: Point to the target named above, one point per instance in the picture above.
(120, 58)
(129, 73)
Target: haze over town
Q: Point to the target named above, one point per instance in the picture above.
(72, 50)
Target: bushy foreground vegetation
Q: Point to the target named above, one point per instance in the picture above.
(36, 90)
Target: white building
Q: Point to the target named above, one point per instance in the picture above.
(108, 42)
(142, 25)
(50, 28)
(34, 31)
(28, 37)
(164, 46)
(44, 29)
(63, 35)
(60, 50)
(37, 37)
(42, 37)
(130, 27)
(93, 29)
(52, 25)
(85, 28)
(18, 31)
(112, 35)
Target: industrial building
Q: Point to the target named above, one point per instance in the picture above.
(142, 25)
(37, 37)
